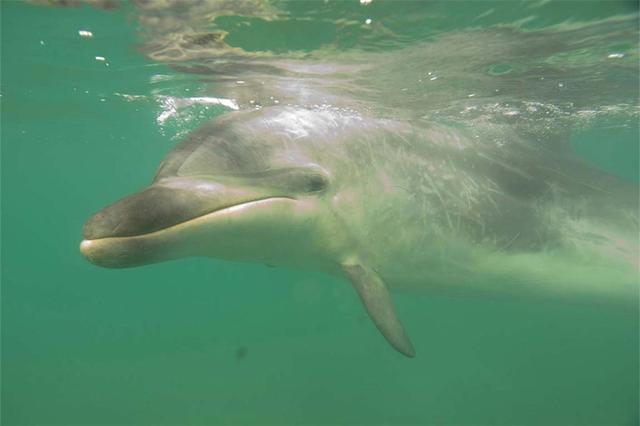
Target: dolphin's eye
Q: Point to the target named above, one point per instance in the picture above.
(294, 179)
(316, 182)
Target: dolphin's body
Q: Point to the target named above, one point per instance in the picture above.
(383, 203)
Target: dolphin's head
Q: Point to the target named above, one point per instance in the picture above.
(234, 195)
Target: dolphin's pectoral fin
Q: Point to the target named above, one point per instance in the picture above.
(379, 305)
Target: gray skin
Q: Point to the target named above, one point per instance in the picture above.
(384, 204)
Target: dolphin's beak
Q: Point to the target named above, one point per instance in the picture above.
(155, 208)
(134, 230)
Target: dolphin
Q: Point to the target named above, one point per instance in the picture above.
(384, 203)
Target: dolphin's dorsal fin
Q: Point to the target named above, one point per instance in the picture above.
(379, 305)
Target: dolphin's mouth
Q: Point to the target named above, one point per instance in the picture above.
(119, 230)
(166, 204)
(148, 247)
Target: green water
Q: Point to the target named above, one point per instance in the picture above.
(209, 342)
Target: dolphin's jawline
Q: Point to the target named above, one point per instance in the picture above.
(204, 217)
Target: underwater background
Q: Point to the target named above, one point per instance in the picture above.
(86, 120)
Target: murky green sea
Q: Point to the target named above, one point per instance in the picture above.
(200, 341)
